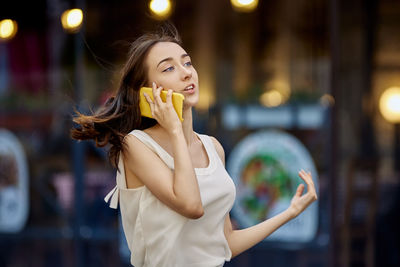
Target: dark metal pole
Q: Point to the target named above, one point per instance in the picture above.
(397, 149)
(79, 147)
(79, 170)
(335, 60)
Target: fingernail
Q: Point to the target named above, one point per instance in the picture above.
(154, 84)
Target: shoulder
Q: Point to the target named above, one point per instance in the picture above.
(136, 141)
(218, 148)
(132, 143)
(138, 149)
(137, 136)
(132, 137)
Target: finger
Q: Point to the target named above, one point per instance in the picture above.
(151, 104)
(306, 177)
(157, 97)
(303, 175)
(300, 190)
(311, 194)
(312, 190)
(154, 88)
(311, 181)
(156, 91)
(310, 185)
(169, 97)
(148, 99)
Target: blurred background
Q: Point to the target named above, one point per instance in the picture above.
(320, 77)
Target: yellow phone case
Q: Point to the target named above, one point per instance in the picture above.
(177, 101)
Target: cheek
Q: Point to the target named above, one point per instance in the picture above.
(161, 81)
(195, 74)
(167, 81)
(152, 77)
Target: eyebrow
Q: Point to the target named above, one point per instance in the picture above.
(170, 58)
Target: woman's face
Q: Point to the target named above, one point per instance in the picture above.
(170, 66)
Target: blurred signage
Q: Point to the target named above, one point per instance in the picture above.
(264, 167)
(14, 194)
(304, 116)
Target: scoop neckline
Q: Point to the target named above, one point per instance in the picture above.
(201, 171)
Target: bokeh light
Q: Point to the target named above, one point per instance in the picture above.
(161, 9)
(271, 98)
(244, 5)
(277, 92)
(71, 20)
(327, 100)
(389, 104)
(8, 29)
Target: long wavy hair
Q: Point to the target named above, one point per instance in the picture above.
(121, 114)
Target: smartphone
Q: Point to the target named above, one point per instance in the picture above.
(177, 101)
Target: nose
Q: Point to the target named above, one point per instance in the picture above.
(186, 73)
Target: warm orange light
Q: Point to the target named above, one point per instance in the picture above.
(389, 104)
(244, 5)
(272, 98)
(327, 100)
(71, 20)
(161, 9)
(8, 29)
(277, 92)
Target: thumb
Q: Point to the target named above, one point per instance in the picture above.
(300, 190)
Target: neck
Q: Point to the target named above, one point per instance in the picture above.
(187, 125)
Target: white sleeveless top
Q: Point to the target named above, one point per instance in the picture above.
(160, 237)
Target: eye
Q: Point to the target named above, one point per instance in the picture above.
(168, 69)
(189, 63)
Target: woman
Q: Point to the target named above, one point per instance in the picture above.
(174, 192)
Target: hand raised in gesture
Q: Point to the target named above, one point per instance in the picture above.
(299, 201)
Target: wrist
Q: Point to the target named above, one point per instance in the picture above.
(176, 132)
(290, 213)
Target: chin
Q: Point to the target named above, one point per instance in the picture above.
(191, 101)
(190, 104)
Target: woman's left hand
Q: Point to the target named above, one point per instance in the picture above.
(299, 201)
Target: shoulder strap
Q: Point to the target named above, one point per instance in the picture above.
(154, 146)
(121, 182)
(210, 146)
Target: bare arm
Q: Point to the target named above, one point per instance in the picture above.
(177, 189)
(241, 240)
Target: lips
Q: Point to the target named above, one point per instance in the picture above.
(190, 89)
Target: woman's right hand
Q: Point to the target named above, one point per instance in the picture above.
(163, 112)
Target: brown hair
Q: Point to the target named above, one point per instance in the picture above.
(121, 114)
